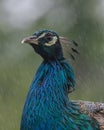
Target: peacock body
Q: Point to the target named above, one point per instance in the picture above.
(47, 106)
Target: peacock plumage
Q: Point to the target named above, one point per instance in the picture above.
(47, 106)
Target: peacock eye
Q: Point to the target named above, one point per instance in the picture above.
(48, 38)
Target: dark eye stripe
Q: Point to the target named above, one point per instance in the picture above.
(49, 38)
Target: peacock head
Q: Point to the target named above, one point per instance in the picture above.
(46, 43)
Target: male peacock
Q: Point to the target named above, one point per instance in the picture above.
(47, 106)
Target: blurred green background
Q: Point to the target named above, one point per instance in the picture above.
(80, 20)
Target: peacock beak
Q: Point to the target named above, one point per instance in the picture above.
(30, 40)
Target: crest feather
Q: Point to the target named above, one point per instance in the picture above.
(69, 46)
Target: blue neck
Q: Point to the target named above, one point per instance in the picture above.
(47, 106)
(48, 94)
(55, 77)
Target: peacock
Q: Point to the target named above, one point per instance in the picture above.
(47, 106)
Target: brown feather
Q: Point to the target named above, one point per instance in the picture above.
(69, 46)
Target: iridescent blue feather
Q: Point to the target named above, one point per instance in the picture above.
(47, 106)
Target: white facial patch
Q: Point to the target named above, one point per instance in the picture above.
(42, 35)
(52, 42)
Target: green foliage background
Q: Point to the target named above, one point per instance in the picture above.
(18, 63)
